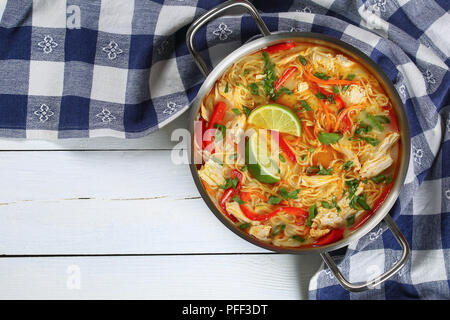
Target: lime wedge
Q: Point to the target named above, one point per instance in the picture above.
(276, 117)
(259, 162)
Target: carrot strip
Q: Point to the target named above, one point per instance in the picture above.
(208, 188)
(327, 114)
(343, 114)
(309, 134)
(329, 81)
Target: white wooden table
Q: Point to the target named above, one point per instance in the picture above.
(109, 218)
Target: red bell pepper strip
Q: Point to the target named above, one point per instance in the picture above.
(279, 47)
(284, 146)
(228, 193)
(287, 151)
(245, 196)
(216, 118)
(286, 75)
(346, 124)
(255, 216)
(333, 236)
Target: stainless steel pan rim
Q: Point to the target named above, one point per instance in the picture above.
(270, 39)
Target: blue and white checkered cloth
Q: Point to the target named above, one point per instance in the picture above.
(82, 69)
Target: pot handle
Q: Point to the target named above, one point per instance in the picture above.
(213, 13)
(380, 279)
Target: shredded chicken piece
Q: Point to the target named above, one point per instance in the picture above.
(261, 232)
(328, 218)
(354, 94)
(317, 233)
(324, 60)
(343, 146)
(380, 158)
(212, 173)
(343, 61)
(235, 128)
(302, 87)
(234, 209)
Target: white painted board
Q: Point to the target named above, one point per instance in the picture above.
(254, 277)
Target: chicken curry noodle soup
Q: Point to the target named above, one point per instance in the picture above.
(299, 145)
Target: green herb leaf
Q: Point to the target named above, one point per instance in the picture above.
(320, 95)
(246, 72)
(331, 99)
(363, 130)
(329, 137)
(238, 200)
(321, 75)
(361, 199)
(325, 172)
(333, 200)
(379, 178)
(244, 226)
(302, 60)
(282, 159)
(312, 212)
(220, 133)
(274, 200)
(336, 89)
(247, 110)
(305, 105)
(351, 77)
(303, 157)
(298, 238)
(254, 88)
(277, 229)
(234, 182)
(226, 88)
(236, 111)
(373, 122)
(270, 78)
(352, 186)
(348, 165)
(280, 92)
(382, 119)
(289, 195)
(326, 205)
(372, 141)
(344, 87)
(350, 220)
(388, 180)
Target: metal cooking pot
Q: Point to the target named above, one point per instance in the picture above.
(269, 39)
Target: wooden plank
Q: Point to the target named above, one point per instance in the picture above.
(160, 139)
(152, 226)
(74, 202)
(253, 277)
